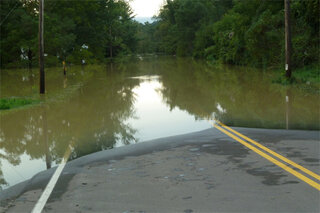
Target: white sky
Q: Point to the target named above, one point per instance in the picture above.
(146, 8)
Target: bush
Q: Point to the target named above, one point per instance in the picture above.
(51, 61)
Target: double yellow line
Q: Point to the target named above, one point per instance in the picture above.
(244, 140)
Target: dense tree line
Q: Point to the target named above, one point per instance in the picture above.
(73, 30)
(244, 32)
(235, 31)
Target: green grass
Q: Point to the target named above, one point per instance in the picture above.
(309, 75)
(10, 103)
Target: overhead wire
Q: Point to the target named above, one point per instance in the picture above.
(9, 13)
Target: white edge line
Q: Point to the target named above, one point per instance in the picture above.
(47, 192)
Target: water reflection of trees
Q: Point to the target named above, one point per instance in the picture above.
(94, 106)
(93, 117)
(237, 96)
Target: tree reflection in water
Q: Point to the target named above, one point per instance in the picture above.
(92, 106)
(93, 116)
(237, 96)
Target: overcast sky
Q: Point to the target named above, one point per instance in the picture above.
(146, 8)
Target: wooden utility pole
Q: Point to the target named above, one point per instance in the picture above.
(288, 38)
(41, 47)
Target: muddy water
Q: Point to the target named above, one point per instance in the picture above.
(101, 107)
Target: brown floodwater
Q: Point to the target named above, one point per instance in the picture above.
(106, 106)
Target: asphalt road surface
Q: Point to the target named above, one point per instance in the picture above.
(215, 170)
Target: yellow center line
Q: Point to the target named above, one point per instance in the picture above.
(278, 163)
(272, 152)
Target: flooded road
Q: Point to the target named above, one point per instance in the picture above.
(101, 107)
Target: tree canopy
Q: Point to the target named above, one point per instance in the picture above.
(245, 32)
(73, 30)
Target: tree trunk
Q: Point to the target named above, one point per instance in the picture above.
(30, 58)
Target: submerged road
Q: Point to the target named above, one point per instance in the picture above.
(215, 170)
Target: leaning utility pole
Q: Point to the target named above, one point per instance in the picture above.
(41, 47)
(288, 37)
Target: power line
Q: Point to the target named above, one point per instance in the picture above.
(9, 13)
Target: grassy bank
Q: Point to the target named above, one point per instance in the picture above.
(11, 103)
(308, 76)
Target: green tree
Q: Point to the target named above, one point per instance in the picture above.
(18, 33)
(238, 31)
(73, 30)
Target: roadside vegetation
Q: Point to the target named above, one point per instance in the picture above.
(306, 78)
(11, 103)
(308, 74)
(236, 32)
(87, 30)
(246, 32)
